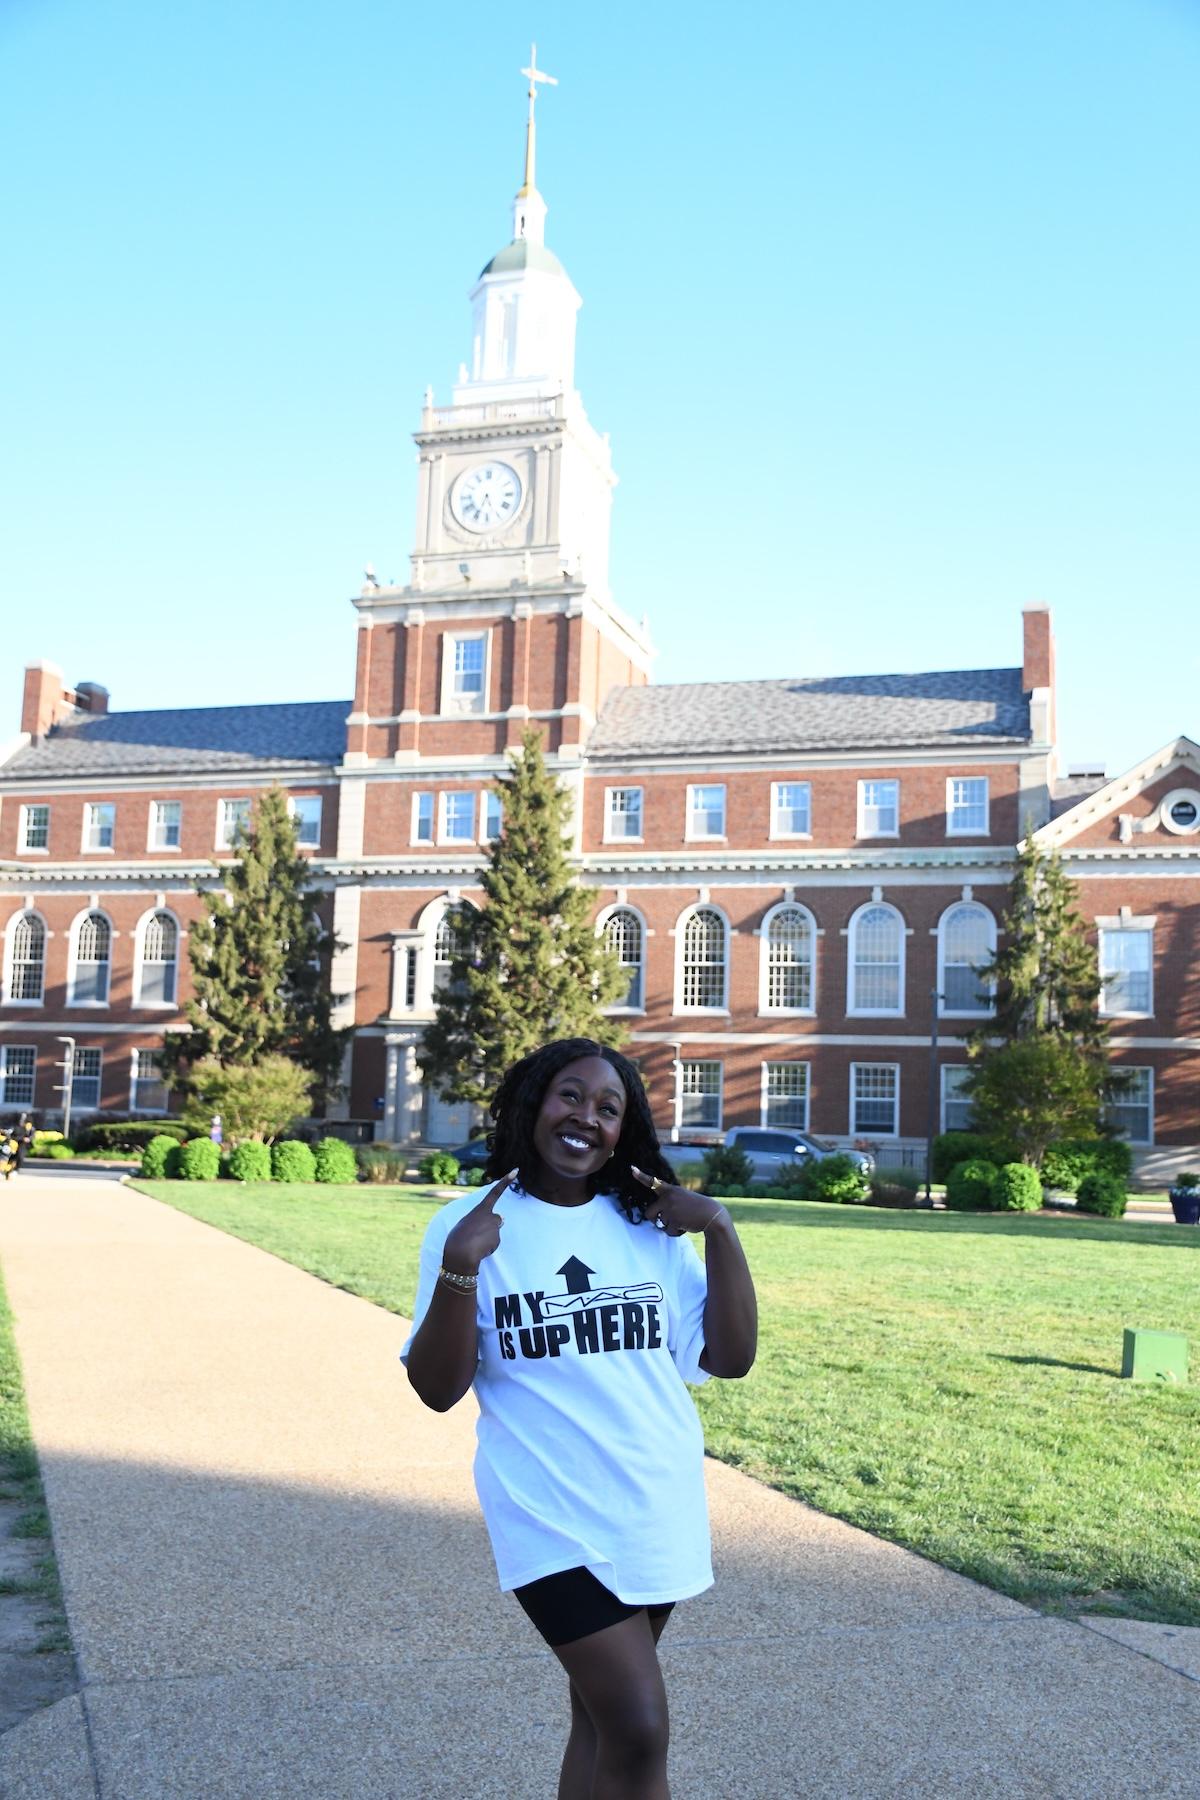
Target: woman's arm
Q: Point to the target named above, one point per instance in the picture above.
(444, 1352)
(731, 1310)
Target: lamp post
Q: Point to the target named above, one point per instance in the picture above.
(931, 1109)
(68, 1086)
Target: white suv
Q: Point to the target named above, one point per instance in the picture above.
(770, 1150)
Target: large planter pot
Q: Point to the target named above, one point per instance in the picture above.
(1185, 1204)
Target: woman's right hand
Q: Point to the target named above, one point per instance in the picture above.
(477, 1233)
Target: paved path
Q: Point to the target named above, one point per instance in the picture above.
(279, 1585)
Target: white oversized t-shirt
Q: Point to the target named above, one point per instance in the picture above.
(589, 1449)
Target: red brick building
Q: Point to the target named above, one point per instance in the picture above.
(796, 871)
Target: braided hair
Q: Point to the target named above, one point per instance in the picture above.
(518, 1101)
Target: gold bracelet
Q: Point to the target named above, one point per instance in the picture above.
(461, 1284)
(721, 1209)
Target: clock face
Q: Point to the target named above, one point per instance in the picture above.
(486, 497)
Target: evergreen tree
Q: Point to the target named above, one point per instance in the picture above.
(528, 965)
(1040, 1064)
(259, 958)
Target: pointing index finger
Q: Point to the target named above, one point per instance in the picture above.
(490, 1198)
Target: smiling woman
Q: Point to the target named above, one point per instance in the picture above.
(578, 1329)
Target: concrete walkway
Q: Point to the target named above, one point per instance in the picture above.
(279, 1585)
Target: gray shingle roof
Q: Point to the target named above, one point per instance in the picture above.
(838, 712)
(190, 740)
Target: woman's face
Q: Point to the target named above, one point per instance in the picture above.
(579, 1124)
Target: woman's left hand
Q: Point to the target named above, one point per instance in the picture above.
(676, 1210)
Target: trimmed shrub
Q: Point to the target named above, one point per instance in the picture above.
(128, 1134)
(1016, 1189)
(60, 1152)
(735, 1191)
(42, 1141)
(724, 1164)
(336, 1161)
(376, 1164)
(1102, 1194)
(836, 1178)
(470, 1178)
(795, 1178)
(969, 1186)
(954, 1147)
(439, 1167)
(292, 1161)
(199, 1160)
(250, 1161)
(1065, 1165)
(156, 1155)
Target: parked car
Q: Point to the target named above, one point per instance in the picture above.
(472, 1155)
(770, 1150)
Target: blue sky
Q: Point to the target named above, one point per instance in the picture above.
(889, 307)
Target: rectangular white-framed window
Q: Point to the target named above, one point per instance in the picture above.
(422, 818)
(99, 824)
(18, 1072)
(622, 815)
(33, 836)
(706, 811)
(166, 825)
(233, 822)
(785, 1089)
(85, 1080)
(956, 1105)
(147, 1089)
(878, 809)
(306, 810)
(491, 816)
(458, 817)
(967, 806)
(700, 1094)
(875, 1100)
(465, 671)
(1126, 972)
(1130, 1111)
(791, 809)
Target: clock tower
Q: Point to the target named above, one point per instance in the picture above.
(508, 616)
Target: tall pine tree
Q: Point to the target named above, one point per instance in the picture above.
(527, 966)
(259, 959)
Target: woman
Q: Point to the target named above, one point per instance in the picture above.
(577, 1312)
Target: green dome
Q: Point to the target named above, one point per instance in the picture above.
(521, 254)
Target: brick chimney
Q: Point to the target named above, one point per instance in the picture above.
(90, 697)
(46, 702)
(1038, 649)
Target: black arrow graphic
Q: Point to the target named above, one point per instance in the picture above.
(576, 1274)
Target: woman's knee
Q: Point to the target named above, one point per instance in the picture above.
(637, 1738)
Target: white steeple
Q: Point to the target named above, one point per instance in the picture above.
(524, 304)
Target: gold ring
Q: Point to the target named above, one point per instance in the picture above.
(657, 1185)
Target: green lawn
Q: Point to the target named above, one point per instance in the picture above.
(948, 1381)
(20, 1483)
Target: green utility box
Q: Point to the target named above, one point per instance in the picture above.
(1155, 1356)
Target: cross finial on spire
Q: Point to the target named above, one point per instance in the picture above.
(535, 75)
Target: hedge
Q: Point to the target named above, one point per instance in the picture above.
(335, 1161)
(250, 1161)
(1102, 1194)
(292, 1161)
(1065, 1165)
(157, 1155)
(954, 1147)
(127, 1134)
(969, 1186)
(199, 1160)
(1016, 1189)
(439, 1167)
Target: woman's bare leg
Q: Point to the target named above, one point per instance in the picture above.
(579, 1759)
(616, 1680)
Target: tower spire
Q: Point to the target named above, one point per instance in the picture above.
(536, 75)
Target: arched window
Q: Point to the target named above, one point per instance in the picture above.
(93, 960)
(876, 960)
(704, 960)
(27, 957)
(623, 935)
(966, 938)
(787, 949)
(448, 943)
(160, 959)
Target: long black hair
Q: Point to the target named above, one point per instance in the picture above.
(518, 1101)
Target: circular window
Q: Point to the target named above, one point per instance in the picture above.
(1180, 811)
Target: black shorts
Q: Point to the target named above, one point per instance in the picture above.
(573, 1604)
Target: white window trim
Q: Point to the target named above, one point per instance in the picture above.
(718, 1012)
(764, 1121)
(706, 837)
(135, 1056)
(443, 812)
(5, 1048)
(86, 849)
(1128, 1068)
(430, 795)
(104, 1005)
(1130, 925)
(944, 1070)
(860, 830)
(875, 1012)
(720, 1067)
(293, 800)
(162, 849)
(23, 912)
(456, 705)
(602, 918)
(985, 830)
(139, 942)
(945, 1012)
(855, 1132)
(486, 794)
(24, 848)
(76, 1107)
(775, 835)
(426, 935)
(609, 836)
(764, 957)
(231, 800)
